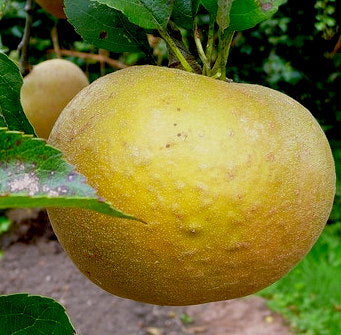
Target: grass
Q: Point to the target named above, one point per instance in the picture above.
(309, 297)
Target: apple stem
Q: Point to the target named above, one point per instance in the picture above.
(176, 51)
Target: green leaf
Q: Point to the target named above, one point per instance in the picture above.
(246, 14)
(105, 27)
(12, 115)
(33, 174)
(23, 314)
(183, 14)
(148, 14)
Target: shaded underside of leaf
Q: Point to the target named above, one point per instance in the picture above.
(183, 13)
(105, 27)
(210, 5)
(23, 314)
(12, 115)
(34, 174)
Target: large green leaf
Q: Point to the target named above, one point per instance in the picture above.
(148, 14)
(33, 174)
(23, 314)
(105, 27)
(11, 112)
(245, 14)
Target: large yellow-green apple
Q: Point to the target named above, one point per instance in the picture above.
(47, 90)
(234, 181)
(54, 7)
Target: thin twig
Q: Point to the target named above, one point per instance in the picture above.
(55, 41)
(104, 53)
(24, 44)
(99, 58)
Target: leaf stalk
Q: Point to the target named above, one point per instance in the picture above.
(201, 52)
(164, 34)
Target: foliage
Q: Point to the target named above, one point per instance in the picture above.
(310, 296)
(24, 314)
(112, 30)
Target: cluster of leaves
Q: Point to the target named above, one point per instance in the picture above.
(121, 27)
(309, 296)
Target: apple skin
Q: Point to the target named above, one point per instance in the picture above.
(234, 181)
(47, 89)
(54, 7)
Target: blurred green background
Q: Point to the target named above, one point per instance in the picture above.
(296, 52)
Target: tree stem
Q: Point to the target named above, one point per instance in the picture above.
(164, 34)
(24, 44)
(55, 41)
(97, 57)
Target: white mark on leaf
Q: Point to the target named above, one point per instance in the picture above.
(27, 182)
